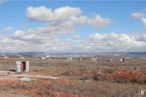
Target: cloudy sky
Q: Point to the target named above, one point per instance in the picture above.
(72, 26)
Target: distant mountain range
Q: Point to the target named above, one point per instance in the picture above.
(105, 54)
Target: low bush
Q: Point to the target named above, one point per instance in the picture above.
(123, 76)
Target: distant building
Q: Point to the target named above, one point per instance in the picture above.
(122, 60)
(93, 59)
(43, 58)
(69, 58)
(80, 59)
(6, 57)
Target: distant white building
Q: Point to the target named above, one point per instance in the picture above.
(69, 58)
(94, 59)
(122, 60)
(21, 57)
(43, 58)
(6, 57)
(48, 56)
(80, 59)
(111, 60)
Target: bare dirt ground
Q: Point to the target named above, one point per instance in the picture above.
(62, 78)
(4, 94)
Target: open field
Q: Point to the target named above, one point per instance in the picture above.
(72, 48)
(77, 78)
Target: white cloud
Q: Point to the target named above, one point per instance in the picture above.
(62, 21)
(143, 21)
(117, 41)
(30, 41)
(138, 15)
(18, 33)
(141, 16)
(72, 15)
(38, 39)
(96, 21)
(43, 13)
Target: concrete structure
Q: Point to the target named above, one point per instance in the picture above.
(21, 57)
(48, 57)
(22, 66)
(111, 60)
(6, 57)
(27, 66)
(80, 59)
(93, 59)
(69, 59)
(18, 66)
(122, 60)
(43, 58)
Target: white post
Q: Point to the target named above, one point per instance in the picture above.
(80, 59)
(69, 58)
(27, 66)
(111, 60)
(18, 66)
(93, 59)
(43, 58)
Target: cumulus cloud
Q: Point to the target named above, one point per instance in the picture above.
(38, 39)
(141, 16)
(28, 41)
(95, 21)
(143, 21)
(43, 13)
(118, 41)
(62, 22)
(138, 15)
(72, 15)
(58, 22)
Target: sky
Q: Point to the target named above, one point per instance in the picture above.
(72, 25)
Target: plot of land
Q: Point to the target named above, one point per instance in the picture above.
(62, 78)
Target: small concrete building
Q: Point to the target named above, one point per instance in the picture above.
(80, 59)
(111, 60)
(93, 59)
(22, 66)
(6, 57)
(48, 57)
(122, 60)
(69, 58)
(43, 58)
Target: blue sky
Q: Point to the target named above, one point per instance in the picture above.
(13, 15)
(119, 11)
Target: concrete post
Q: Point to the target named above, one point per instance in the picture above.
(27, 66)
(18, 66)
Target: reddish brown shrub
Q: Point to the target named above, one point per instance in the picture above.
(123, 76)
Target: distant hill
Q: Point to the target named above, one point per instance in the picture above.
(109, 54)
(137, 54)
